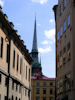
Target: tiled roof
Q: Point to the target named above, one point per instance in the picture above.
(40, 76)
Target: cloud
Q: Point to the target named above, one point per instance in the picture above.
(50, 34)
(1, 3)
(17, 24)
(45, 50)
(40, 1)
(51, 20)
(38, 24)
(46, 42)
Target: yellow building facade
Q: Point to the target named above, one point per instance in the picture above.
(42, 88)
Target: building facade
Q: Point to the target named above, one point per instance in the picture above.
(65, 47)
(15, 63)
(43, 88)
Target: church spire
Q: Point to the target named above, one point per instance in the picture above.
(34, 48)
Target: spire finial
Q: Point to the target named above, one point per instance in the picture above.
(40, 58)
(35, 14)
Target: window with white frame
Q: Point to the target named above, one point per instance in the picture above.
(68, 20)
(61, 31)
(64, 3)
(64, 25)
(58, 36)
(61, 8)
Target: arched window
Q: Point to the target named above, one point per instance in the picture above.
(16, 98)
(12, 97)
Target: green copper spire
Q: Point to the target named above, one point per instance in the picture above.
(34, 47)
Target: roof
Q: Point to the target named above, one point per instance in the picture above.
(40, 76)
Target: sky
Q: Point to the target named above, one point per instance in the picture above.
(22, 14)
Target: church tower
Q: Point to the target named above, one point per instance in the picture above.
(36, 65)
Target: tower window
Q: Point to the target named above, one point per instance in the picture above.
(61, 8)
(61, 31)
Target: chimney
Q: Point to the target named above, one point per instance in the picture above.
(12, 25)
(19, 36)
(6, 17)
(16, 31)
(0, 8)
(22, 41)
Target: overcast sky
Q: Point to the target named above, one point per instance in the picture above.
(22, 14)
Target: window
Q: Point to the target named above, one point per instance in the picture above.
(58, 36)
(16, 98)
(61, 9)
(29, 74)
(37, 83)
(28, 93)
(51, 83)
(58, 61)
(51, 91)
(60, 58)
(68, 51)
(0, 78)
(44, 98)
(64, 25)
(60, 53)
(37, 98)
(68, 46)
(20, 64)
(7, 57)
(37, 91)
(5, 97)
(44, 91)
(60, 31)
(12, 97)
(68, 20)
(6, 81)
(64, 3)
(16, 87)
(12, 84)
(25, 92)
(26, 72)
(44, 83)
(13, 58)
(19, 88)
(50, 98)
(17, 61)
(64, 55)
(1, 55)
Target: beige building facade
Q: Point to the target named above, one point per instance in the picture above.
(65, 47)
(42, 88)
(15, 63)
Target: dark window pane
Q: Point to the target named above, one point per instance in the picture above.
(20, 64)
(14, 59)
(7, 53)
(17, 61)
(0, 78)
(1, 47)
